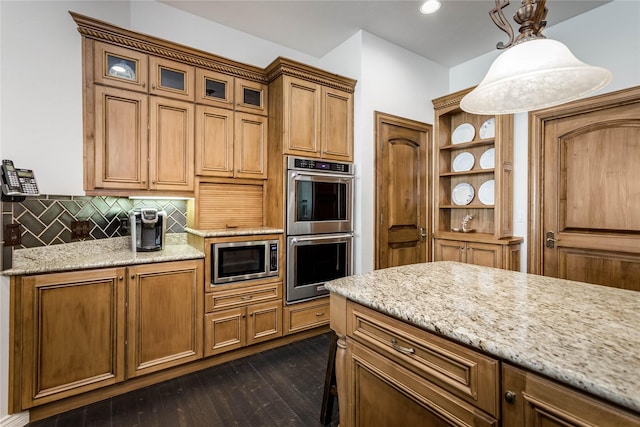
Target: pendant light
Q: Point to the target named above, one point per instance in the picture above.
(534, 72)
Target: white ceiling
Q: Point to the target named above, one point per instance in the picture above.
(459, 31)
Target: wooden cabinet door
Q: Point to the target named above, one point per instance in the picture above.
(337, 124)
(121, 147)
(264, 321)
(251, 97)
(165, 315)
(225, 330)
(484, 254)
(301, 119)
(449, 250)
(385, 394)
(120, 67)
(171, 144)
(250, 146)
(73, 332)
(171, 79)
(530, 400)
(214, 141)
(215, 89)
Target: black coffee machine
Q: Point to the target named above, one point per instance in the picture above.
(148, 229)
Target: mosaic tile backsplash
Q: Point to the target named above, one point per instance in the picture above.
(46, 220)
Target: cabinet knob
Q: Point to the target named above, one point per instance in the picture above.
(144, 84)
(153, 86)
(510, 396)
(121, 278)
(321, 313)
(133, 276)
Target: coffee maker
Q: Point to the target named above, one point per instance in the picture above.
(148, 229)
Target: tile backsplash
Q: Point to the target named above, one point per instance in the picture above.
(46, 220)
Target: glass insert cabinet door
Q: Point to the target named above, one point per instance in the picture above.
(171, 78)
(120, 67)
(215, 89)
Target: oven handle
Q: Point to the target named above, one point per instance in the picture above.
(339, 178)
(295, 240)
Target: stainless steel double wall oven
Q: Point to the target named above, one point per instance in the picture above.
(319, 225)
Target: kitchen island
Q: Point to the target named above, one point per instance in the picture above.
(462, 330)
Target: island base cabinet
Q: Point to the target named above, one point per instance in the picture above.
(166, 306)
(385, 394)
(499, 255)
(530, 400)
(73, 328)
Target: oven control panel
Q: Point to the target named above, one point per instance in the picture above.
(300, 163)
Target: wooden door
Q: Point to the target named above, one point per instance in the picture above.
(402, 197)
(337, 124)
(214, 141)
(171, 144)
(301, 119)
(484, 254)
(73, 333)
(449, 250)
(250, 146)
(121, 146)
(590, 174)
(264, 321)
(165, 311)
(225, 330)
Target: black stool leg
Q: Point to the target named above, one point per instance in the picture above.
(330, 392)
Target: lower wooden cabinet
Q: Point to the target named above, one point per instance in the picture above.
(530, 400)
(504, 255)
(390, 373)
(306, 315)
(165, 308)
(74, 332)
(242, 316)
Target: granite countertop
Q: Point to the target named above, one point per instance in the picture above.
(584, 335)
(112, 252)
(229, 232)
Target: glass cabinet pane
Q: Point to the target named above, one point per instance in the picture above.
(252, 97)
(172, 79)
(122, 67)
(215, 89)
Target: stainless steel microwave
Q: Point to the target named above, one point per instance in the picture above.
(239, 261)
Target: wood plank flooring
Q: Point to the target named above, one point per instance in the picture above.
(278, 387)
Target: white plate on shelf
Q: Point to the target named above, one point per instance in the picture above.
(463, 162)
(462, 194)
(488, 160)
(488, 129)
(463, 133)
(486, 192)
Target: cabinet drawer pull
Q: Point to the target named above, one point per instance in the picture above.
(510, 396)
(401, 349)
(246, 297)
(321, 313)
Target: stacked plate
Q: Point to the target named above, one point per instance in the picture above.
(463, 133)
(463, 162)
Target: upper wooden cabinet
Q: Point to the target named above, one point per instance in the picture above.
(311, 111)
(120, 67)
(225, 91)
(171, 79)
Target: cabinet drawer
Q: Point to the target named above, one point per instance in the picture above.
(388, 393)
(241, 296)
(463, 372)
(306, 315)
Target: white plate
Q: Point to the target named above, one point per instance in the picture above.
(488, 129)
(488, 160)
(486, 192)
(462, 194)
(463, 162)
(463, 133)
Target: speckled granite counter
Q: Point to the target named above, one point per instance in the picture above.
(96, 254)
(584, 335)
(229, 232)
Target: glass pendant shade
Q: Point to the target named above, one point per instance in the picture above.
(531, 75)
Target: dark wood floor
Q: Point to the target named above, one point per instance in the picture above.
(279, 387)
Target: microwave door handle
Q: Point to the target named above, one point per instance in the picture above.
(338, 178)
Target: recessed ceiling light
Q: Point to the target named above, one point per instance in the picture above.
(430, 6)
